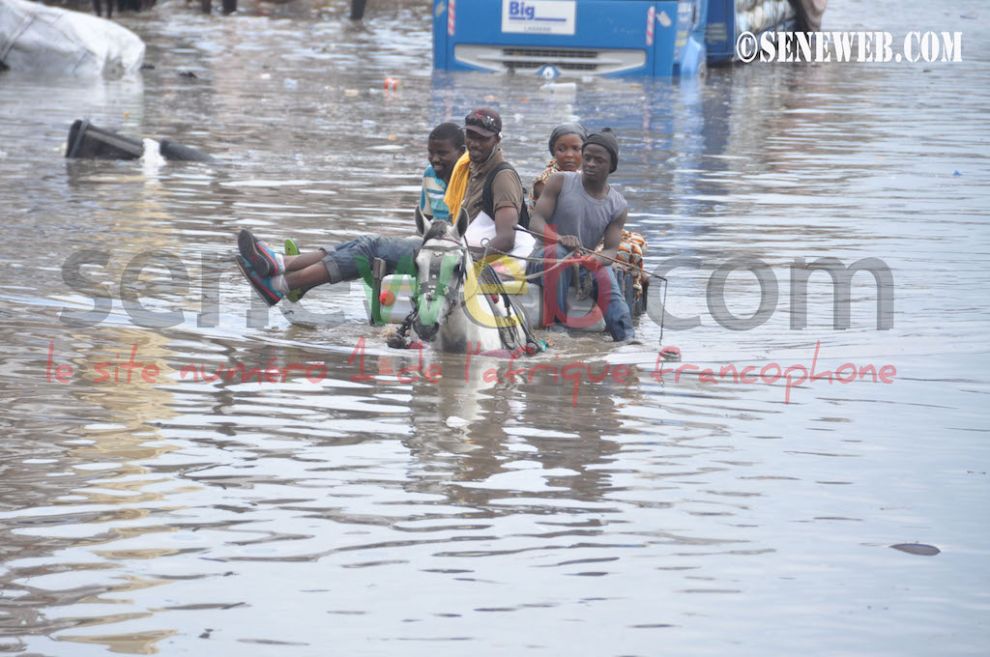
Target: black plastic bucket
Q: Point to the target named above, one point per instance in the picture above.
(88, 141)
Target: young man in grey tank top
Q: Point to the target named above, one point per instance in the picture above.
(581, 210)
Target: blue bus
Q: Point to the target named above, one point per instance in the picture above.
(570, 37)
(598, 37)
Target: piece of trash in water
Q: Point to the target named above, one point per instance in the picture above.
(670, 353)
(351, 93)
(391, 84)
(152, 158)
(917, 548)
(957, 172)
(187, 74)
(86, 141)
(559, 87)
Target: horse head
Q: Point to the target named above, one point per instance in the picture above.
(441, 267)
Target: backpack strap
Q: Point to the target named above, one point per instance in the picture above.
(488, 195)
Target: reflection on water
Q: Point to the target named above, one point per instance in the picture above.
(165, 506)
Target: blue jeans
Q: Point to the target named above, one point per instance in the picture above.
(352, 260)
(615, 310)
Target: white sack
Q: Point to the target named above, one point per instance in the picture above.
(43, 39)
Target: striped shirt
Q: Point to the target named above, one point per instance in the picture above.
(431, 197)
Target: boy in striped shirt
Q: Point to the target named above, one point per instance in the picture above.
(444, 147)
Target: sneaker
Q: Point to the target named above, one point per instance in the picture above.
(261, 284)
(262, 258)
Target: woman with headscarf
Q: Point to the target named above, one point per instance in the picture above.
(565, 143)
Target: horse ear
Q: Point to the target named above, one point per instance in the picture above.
(420, 222)
(462, 222)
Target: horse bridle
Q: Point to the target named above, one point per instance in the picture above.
(442, 289)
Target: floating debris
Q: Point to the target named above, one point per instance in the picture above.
(919, 549)
(86, 141)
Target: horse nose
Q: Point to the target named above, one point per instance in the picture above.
(426, 333)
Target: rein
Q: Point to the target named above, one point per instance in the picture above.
(578, 250)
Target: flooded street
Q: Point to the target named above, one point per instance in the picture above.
(352, 508)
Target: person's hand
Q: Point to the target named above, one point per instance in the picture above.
(589, 261)
(570, 241)
(586, 260)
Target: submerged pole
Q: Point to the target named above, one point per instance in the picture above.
(229, 6)
(357, 9)
(206, 6)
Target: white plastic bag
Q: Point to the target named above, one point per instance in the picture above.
(482, 229)
(49, 40)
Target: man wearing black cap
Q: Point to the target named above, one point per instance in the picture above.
(496, 223)
(581, 211)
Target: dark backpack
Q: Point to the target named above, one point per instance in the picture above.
(487, 196)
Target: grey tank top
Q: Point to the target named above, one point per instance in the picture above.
(579, 214)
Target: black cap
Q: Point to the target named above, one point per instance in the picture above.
(606, 139)
(484, 121)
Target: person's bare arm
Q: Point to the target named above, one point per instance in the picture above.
(544, 209)
(506, 220)
(613, 236)
(538, 189)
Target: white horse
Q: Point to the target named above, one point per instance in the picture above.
(458, 307)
